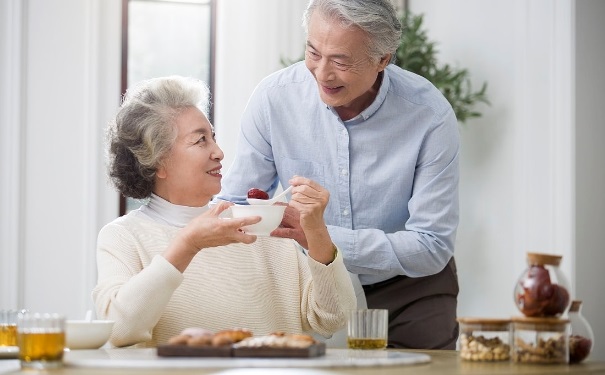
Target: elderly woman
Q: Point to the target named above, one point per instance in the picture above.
(174, 263)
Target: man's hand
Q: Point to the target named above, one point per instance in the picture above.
(290, 227)
(304, 214)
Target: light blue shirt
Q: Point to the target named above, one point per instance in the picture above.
(392, 172)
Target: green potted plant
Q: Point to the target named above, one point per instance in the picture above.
(416, 53)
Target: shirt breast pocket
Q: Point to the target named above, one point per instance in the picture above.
(312, 170)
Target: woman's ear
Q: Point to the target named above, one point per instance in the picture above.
(161, 171)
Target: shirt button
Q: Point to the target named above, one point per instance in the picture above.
(344, 172)
(344, 131)
(345, 213)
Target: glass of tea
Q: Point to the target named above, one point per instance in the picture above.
(368, 329)
(8, 327)
(41, 340)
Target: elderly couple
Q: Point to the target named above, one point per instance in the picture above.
(372, 154)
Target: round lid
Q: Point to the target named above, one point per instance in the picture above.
(539, 258)
(539, 320)
(575, 306)
(474, 320)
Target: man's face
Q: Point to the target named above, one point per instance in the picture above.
(338, 59)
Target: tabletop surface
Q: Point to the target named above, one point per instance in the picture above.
(424, 362)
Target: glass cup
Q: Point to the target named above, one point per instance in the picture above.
(368, 329)
(8, 327)
(41, 340)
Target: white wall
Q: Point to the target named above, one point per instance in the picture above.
(516, 159)
(59, 64)
(248, 49)
(531, 169)
(590, 169)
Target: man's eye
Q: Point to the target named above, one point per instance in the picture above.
(202, 139)
(313, 55)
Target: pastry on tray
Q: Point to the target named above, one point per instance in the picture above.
(240, 342)
(200, 337)
(277, 340)
(199, 342)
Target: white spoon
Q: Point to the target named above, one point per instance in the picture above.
(88, 317)
(269, 202)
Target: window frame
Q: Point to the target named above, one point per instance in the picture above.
(124, 64)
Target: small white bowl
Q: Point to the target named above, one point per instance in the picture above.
(84, 334)
(271, 217)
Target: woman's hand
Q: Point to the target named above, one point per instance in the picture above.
(208, 230)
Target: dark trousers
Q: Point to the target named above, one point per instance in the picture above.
(422, 310)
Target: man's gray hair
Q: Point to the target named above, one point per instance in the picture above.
(378, 18)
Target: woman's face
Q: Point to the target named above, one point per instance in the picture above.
(337, 57)
(191, 173)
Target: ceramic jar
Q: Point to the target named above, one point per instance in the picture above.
(542, 289)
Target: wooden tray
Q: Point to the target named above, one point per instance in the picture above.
(315, 350)
(191, 351)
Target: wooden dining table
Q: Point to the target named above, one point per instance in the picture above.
(440, 362)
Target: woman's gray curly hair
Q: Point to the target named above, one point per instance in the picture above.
(378, 18)
(143, 131)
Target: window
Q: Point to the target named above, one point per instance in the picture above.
(166, 37)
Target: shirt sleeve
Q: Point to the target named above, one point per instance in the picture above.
(128, 293)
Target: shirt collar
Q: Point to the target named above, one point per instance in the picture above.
(380, 97)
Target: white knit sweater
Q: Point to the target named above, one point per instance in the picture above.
(267, 286)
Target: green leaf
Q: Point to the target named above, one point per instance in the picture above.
(418, 54)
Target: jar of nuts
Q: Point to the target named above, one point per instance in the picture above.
(484, 339)
(540, 340)
(542, 289)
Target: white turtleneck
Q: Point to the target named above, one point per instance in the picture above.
(266, 286)
(160, 210)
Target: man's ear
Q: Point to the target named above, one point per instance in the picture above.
(384, 61)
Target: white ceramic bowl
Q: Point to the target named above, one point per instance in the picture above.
(84, 334)
(271, 217)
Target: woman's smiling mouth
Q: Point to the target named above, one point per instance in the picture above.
(215, 172)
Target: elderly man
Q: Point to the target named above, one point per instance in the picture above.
(385, 143)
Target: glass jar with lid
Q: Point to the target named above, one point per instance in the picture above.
(540, 340)
(581, 338)
(542, 289)
(484, 339)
